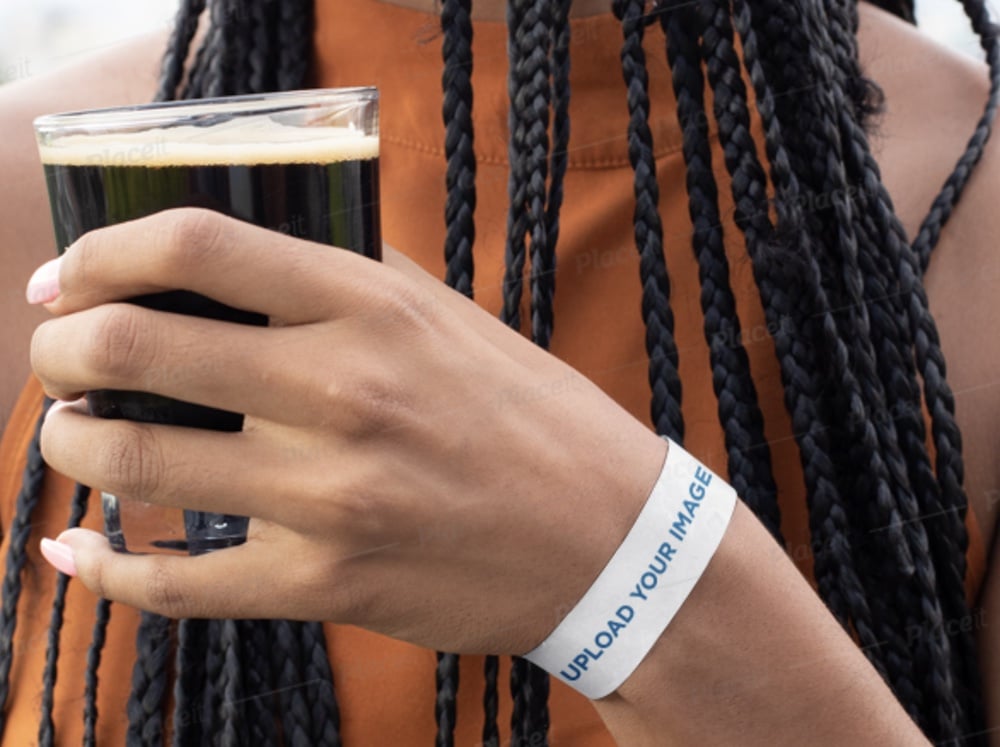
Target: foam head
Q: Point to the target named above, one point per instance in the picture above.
(235, 142)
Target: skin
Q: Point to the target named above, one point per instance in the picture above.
(750, 639)
(124, 74)
(365, 448)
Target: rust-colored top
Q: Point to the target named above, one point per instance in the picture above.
(386, 688)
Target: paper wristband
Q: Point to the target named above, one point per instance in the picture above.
(612, 628)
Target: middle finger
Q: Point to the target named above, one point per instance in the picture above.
(219, 364)
(201, 470)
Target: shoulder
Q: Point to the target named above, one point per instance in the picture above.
(934, 98)
(122, 74)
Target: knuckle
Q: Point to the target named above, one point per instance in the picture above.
(164, 594)
(120, 345)
(361, 508)
(95, 575)
(40, 349)
(194, 233)
(82, 265)
(50, 444)
(376, 402)
(412, 308)
(130, 461)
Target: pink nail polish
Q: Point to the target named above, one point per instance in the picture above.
(44, 284)
(60, 556)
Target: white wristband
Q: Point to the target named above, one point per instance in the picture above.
(612, 628)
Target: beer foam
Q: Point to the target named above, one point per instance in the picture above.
(237, 142)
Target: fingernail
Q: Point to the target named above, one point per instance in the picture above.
(44, 284)
(60, 405)
(60, 556)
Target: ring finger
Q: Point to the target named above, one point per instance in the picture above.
(232, 473)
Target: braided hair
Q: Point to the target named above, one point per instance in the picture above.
(840, 284)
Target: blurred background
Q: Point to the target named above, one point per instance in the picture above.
(40, 35)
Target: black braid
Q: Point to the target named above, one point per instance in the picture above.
(878, 230)
(149, 681)
(491, 699)
(947, 505)
(920, 599)
(46, 731)
(195, 88)
(460, 208)
(790, 308)
(951, 539)
(944, 203)
(260, 707)
(560, 118)
(98, 638)
(892, 656)
(534, 101)
(295, 34)
(221, 65)
(460, 205)
(940, 403)
(233, 731)
(518, 673)
(263, 17)
(546, 73)
(867, 97)
(948, 541)
(212, 685)
(535, 693)
(517, 218)
(319, 690)
(19, 532)
(220, 696)
(290, 683)
(189, 685)
(749, 455)
(870, 434)
(185, 26)
(532, 32)
(446, 681)
(238, 43)
(664, 379)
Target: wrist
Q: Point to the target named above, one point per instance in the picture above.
(753, 657)
(615, 623)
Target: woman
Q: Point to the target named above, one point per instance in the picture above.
(839, 319)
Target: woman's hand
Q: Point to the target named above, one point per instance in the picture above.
(412, 466)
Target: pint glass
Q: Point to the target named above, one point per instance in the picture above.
(301, 163)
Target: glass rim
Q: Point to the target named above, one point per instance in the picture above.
(166, 113)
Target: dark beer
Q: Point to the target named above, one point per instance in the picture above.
(314, 185)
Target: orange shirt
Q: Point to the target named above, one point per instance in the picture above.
(386, 688)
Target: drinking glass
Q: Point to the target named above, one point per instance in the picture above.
(303, 163)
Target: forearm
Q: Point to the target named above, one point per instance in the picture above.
(753, 657)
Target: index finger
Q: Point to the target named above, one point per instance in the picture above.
(231, 261)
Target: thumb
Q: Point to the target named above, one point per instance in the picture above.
(169, 585)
